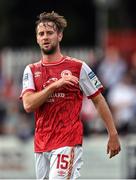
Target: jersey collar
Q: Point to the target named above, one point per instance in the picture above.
(53, 63)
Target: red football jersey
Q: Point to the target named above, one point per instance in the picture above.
(57, 121)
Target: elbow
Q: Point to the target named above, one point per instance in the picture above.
(28, 103)
(28, 108)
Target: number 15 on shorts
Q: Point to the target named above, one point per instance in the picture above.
(62, 161)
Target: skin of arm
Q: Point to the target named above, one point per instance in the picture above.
(33, 100)
(113, 146)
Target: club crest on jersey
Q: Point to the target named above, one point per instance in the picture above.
(66, 73)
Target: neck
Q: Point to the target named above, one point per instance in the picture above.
(57, 56)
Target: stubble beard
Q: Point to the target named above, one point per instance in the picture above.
(50, 51)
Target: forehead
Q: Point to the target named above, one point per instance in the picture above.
(46, 26)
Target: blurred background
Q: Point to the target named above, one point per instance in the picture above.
(100, 32)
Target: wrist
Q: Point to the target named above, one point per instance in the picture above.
(49, 89)
(113, 134)
(53, 86)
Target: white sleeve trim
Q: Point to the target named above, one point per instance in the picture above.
(28, 82)
(88, 81)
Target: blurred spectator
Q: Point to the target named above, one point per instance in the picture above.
(122, 101)
(10, 90)
(3, 108)
(88, 115)
(3, 113)
(90, 118)
(24, 128)
(12, 118)
(111, 68)
(93, 60)
(18, 123)
(132, 67)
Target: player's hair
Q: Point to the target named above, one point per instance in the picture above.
(54, 17)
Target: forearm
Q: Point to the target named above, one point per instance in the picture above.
(31, 101)
(113, 146)
(105, 113)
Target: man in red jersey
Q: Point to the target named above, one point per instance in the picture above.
(53, 89)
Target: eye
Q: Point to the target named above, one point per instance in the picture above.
(41, 33)
(50, 32)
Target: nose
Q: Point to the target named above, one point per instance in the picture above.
(45, 36)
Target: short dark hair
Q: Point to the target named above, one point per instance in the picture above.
(59, 21)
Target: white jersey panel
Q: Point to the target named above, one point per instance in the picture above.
(88, 81)
(28, 82)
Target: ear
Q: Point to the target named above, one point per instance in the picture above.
(37, 40)
(60, 36)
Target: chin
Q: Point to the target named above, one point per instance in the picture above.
(49, 51)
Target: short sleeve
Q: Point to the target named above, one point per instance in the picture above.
(28, 82)
(88, 81)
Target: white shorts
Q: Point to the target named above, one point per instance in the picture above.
(62, 163)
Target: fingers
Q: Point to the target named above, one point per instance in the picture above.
(114, 152)
(67, 80)
(69, 83)
(108, 150)
(72, 80)
(113, 147)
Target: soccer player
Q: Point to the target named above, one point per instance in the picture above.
(53, 89)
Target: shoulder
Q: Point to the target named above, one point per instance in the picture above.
(31, 68)
(36, 64)
(74, 60)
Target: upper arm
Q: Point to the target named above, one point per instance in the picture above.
(97, 99)
(28, 81)
(88, 81)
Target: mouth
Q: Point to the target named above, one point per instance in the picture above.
(46, 44)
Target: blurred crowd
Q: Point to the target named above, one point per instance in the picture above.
(13, 119)
(118, 76)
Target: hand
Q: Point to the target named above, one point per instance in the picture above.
(66, 80)
(113, 147)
